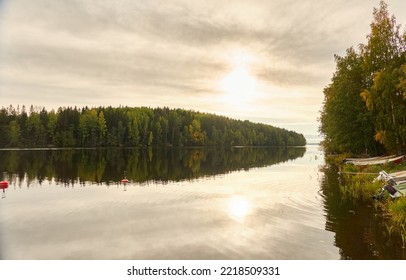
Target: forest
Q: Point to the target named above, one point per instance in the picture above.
(133, 127)
(364, 108)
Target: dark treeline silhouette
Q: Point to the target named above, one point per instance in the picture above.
(365, 105)
(69, 166)
(133, 127)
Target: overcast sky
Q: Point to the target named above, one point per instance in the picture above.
(262, 60)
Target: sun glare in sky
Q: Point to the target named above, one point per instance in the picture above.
(239, 85)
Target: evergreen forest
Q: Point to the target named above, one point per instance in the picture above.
(133, 127)
(364, 108)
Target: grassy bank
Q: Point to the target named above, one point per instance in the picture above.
(357, 184)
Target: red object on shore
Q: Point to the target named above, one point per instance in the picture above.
(124, 180)
(400, 160)
(3, 185)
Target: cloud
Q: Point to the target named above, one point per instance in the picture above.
(171, 52)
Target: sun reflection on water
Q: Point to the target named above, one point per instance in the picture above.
(239, 207)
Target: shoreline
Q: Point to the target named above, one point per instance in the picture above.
(358, 185)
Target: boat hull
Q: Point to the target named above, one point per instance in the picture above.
(376, 160)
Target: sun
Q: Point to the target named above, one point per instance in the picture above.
(239, 86)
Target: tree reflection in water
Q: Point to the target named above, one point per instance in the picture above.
(142, 165)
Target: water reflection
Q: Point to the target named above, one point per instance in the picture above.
(272, 212)
(178, 205)
(3, 187)
(140, 165)
(239, 207)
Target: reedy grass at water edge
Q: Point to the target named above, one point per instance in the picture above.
(397, 210)
(359, 189)
(358, 185)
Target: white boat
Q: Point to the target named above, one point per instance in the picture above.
(369, 158)
(374, 160)
(399, 176)
(395, 190)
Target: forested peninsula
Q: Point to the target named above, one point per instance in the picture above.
(133, 127)
(364, 109)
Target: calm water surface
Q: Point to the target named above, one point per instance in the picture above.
(236, 203)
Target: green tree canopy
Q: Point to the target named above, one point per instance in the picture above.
(364, 106)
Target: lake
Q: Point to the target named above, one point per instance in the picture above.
(183, 203)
